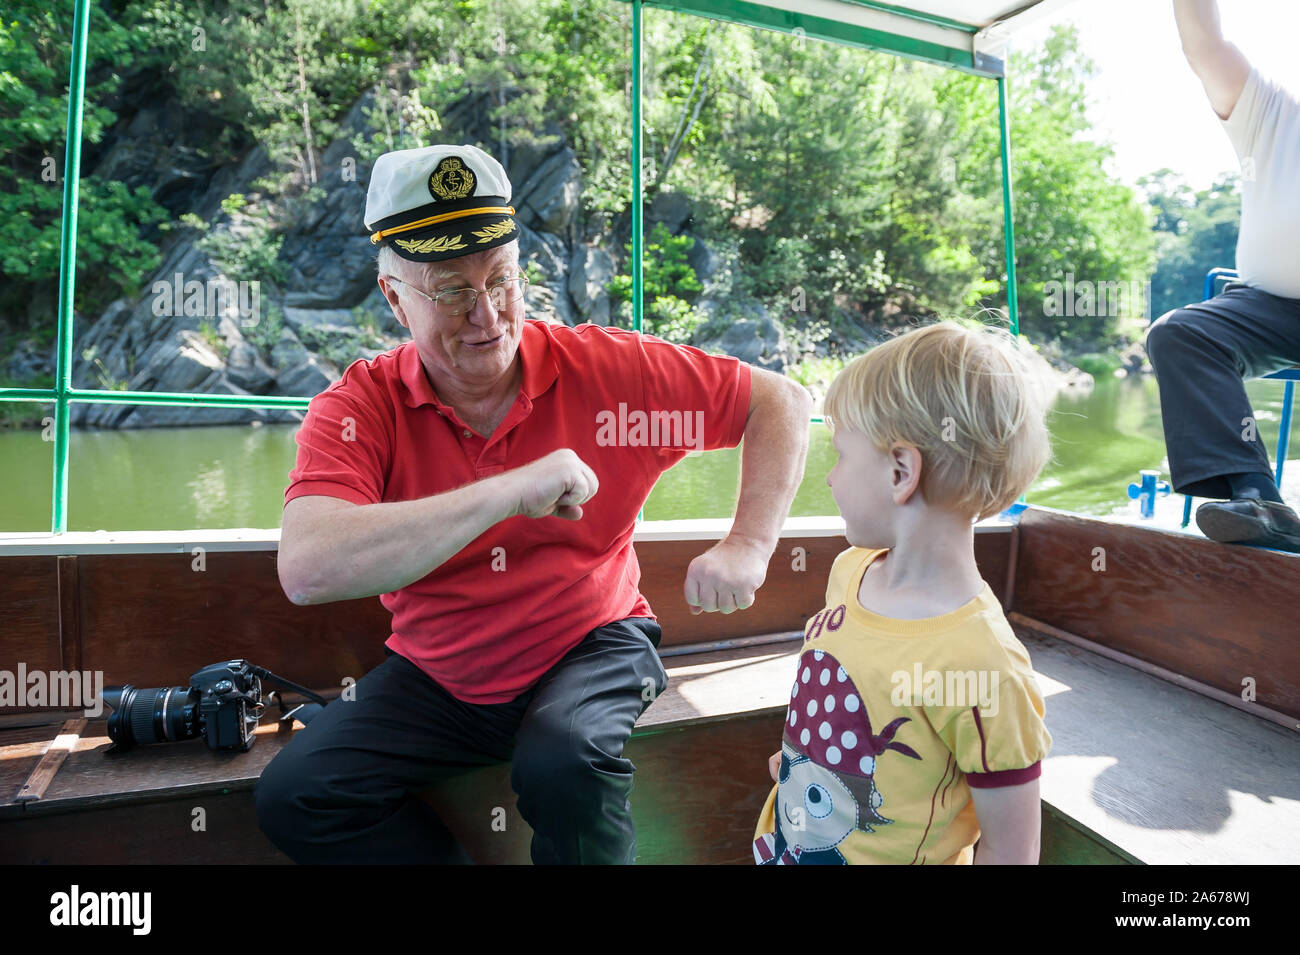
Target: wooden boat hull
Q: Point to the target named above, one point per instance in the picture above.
(150, 612)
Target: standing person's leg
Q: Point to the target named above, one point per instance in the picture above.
(1201, 354)
(569, 770)
(344, 788)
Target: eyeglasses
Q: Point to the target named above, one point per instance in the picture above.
(458, 301)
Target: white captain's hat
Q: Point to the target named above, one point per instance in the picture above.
(439, 202)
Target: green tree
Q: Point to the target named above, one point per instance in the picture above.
(668, 285)
(1071, 216)
(111, 255)
(1195, 232)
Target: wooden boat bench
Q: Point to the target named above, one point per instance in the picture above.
(182, 802)
(1141, 771)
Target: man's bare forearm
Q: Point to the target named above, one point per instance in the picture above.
(772, 463)
(352, 551)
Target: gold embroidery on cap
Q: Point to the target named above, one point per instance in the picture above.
(451, 180)
(442, 243)
(495, 231)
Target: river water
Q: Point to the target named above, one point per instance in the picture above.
(221, 477)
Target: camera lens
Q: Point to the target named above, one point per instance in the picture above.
(152, 715)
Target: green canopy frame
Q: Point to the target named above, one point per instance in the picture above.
(920, 32)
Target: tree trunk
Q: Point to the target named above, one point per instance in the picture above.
(304, 92)
(685, 123)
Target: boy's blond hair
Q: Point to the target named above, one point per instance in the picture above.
(968, 402)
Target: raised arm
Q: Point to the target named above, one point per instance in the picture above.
(1222, 68)
(331, 549)
(725, 577)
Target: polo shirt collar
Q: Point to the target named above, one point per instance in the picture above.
(540, 370)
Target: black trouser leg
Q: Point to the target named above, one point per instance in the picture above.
(1201, 354)
(569, 770)
(344, 788)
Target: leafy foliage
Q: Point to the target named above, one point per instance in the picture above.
(1195, 232)
(34, 65)
(667, 284)
(845, 180)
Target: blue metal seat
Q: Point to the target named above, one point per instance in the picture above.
(1289, 375)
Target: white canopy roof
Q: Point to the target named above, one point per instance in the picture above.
(979, 29)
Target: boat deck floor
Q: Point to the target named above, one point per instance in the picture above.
(1165, 774)
(1158, 773)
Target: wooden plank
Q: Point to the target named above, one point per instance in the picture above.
(51, 760)
(723, 685)
(153, 620)
(702, 688)
(1220, 614)
(69, 614)
(698, 793)
(144, 833)
(29, 618)
(1252, 707)
(1166, 775)
(20, 753)
(795, 589)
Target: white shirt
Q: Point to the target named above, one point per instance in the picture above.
(1264, 128)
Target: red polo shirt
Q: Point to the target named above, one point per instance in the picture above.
(489, 622)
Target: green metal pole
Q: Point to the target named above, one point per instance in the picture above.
(636, 181)
(68, 262)
(637, 241)
(1008, 224)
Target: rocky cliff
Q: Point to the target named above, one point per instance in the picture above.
(196, 329)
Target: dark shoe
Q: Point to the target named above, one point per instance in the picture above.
(1251, 521)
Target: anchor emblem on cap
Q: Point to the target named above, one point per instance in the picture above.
(451, 180)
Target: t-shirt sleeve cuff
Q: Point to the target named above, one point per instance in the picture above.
(327, 489)
(1005, 777)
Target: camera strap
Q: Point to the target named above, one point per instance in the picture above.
(303, 712)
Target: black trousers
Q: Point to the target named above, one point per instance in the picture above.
(343, 789)
(1201, 355)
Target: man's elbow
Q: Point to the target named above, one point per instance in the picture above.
(1200, 54)
(791, 398)
(301, 590)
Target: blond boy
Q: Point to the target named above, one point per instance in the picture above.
(915, 726)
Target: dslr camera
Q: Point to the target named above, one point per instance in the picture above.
(223, 703)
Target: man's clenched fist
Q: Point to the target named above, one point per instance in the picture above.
(555, 485)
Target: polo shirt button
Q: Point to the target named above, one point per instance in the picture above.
(467, 432)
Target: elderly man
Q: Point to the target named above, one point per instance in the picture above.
(1202, 352)
(475, 480)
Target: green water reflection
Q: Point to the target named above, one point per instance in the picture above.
(177, 478)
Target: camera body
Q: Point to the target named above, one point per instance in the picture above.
(230, 704)
(223, 703)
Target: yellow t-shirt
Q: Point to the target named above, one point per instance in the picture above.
(890, 723)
